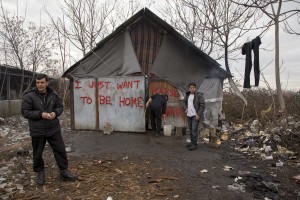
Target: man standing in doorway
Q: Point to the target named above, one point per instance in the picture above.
(194, 106)
(158, 105)
(41, 106)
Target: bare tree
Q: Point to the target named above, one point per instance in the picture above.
(83, 22)
(273, 9)
(62, 64)
(12, 33)
(290, 29)
(212, 25)
(40, 47)
(185, 17)
(28, 46)
(230, 22)
(125, 9)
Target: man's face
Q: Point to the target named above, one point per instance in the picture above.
(41, 85)
(192, 89)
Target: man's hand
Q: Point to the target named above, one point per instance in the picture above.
(164, 118)
(52, 115)
(148, 102)
(197, 117)
(48, 116)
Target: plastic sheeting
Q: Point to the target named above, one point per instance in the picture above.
(177, 63)
(213, 95)
(116, 58)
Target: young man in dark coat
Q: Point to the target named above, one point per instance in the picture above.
(41, 106)
(158, 105)
(194, 106)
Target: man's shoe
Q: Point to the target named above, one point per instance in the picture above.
(192, 147)
(41, 178)
(65, 175)
(188, 145)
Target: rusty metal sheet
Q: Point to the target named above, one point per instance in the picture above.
(84, 104)
(121, 103)
(175, 113)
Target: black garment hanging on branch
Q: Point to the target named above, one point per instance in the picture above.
(246, 50)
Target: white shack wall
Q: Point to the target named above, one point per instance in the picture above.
(84, 104)
(120, 103)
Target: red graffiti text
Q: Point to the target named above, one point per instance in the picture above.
(131, 101)
(128, 84)
(77, 85)
(174, 111)
(104, 100)
(87, 100)
(99, 84)
(170, 93)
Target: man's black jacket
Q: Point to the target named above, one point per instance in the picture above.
(159, 102)
(33, 104)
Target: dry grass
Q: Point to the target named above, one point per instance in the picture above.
(258, 103)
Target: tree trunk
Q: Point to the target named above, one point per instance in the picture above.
(22, 78)
(277, 68)
(226, 58)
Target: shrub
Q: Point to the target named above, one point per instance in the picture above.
(258, 101)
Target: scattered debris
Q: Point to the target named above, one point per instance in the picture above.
(269, 143)
(278, 147)
(215, 187)
(296, 178)
(227, 168)
(69, 149)
(224, 136)
(260, 185)
(1, 120)
(108, 129)
(237, 187)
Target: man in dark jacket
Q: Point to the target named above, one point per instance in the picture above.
(41, 106)
(194, 106)
(158, 105)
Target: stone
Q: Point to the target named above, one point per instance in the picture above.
(108, 129)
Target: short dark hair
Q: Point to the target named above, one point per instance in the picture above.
(41, 76)
(192, 84)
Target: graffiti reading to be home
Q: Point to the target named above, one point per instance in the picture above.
(122, 99)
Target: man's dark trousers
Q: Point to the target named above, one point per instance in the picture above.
(155, 117)
(193, 124)
(58, 147)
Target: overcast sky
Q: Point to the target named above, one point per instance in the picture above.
(289, 44)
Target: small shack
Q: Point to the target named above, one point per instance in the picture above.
(143, 56)
(11, 86)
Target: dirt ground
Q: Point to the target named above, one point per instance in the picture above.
(141, 166)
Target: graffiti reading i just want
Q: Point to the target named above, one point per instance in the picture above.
(104, 86)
